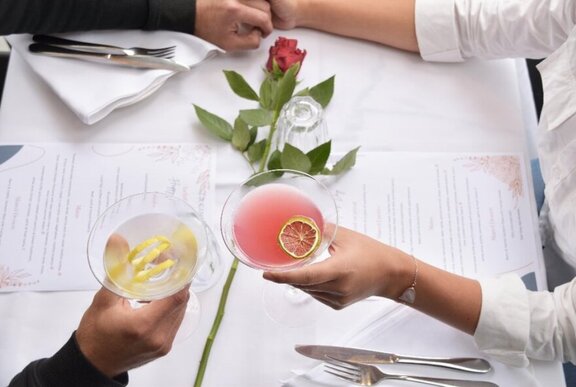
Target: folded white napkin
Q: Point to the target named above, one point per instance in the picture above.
(404, 331)
(93, 90)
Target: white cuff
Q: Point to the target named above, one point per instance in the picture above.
(504, 325)
(436, 31)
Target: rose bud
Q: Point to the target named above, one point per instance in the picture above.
(285, 53)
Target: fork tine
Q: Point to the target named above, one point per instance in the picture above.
(343, 370)
(344, 377)
(164, 50)
(337, 368)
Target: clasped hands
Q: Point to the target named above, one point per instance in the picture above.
(241, 24)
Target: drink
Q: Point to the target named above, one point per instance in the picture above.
(260, 217)
(150, 255)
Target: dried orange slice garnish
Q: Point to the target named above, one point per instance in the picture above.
(299, 237)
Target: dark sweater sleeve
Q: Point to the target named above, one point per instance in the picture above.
(43, 16)
(67, 368)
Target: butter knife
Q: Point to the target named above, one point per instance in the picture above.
(323, 352)
(138, 61)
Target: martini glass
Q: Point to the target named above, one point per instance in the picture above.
(149, 246)
(270, 222)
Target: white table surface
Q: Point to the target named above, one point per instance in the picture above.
(384, 100)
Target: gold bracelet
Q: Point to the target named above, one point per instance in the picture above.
(409, 295)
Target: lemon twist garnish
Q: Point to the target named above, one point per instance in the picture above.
(142, 246)
(145, 275)
(140, 262)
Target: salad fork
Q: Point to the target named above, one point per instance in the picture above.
(164, 52)
(368, 375)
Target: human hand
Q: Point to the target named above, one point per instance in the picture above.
(284, 13)
(233, 24)
(115, 337)
(358, 267)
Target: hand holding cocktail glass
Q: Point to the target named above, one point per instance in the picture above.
(149, 246)
(277, 221)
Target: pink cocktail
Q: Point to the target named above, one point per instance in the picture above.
(260, 216)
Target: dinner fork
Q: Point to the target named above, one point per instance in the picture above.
(164, 52)
(367, 375)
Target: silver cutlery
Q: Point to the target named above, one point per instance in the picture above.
(137, 61)
(321, 352)
(164, 52)
(367, 375)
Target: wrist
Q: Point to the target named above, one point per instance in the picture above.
(402, 277)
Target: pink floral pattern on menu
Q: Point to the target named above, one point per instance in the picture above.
(13, 277)
(175, 154)
(505, 168)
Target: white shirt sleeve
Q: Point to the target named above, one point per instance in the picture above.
(516, 324)
(452, 30)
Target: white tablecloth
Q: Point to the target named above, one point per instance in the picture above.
(384, 100)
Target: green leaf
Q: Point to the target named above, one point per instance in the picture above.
(253, 135)
(274, 162)
(256, 151)
(256, 117)
(303, 93)
(345, 163)
(240, 86)
(294, 158)
(318, 157)
(323, 91)
(266, 93)
(214, 124)
(240, 135)
(286, 86)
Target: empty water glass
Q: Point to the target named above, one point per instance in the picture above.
(301, 124)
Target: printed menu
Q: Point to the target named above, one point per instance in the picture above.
(471, 214)
(51, 195)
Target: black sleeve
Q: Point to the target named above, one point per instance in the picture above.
(67, 368)
(51, 16)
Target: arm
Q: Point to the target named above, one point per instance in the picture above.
(68, 367)
(389, 22)
(442, 30)
(39, 16)
(509, 322)
(232, 25)
(111, 339)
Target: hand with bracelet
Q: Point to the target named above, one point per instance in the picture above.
(360, 267)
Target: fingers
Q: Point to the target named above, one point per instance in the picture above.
(257, 19)
(314, 274)
(159, 309)
(105, 297)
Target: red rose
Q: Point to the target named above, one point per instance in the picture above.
(286, 53)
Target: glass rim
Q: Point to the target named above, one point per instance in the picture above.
(235, 252)
(104, 281)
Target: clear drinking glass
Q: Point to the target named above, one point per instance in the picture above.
(301, 123)
(149, 246)
(253, 225)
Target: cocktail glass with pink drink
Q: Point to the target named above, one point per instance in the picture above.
(280, 220)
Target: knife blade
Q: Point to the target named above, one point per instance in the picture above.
(323, 352)
(137, 61)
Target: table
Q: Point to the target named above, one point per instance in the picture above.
(384, 100)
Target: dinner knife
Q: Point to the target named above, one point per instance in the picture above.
(324, 352)
(138, 61)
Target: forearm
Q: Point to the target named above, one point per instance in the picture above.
(68, 367)
(389, 22)
(450, 298)
(40, 16)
